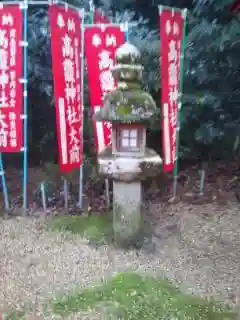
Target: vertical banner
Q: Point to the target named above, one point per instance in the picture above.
(65, 28)
(235, 7)
(100, 47)
(11, 69)
(171, 33)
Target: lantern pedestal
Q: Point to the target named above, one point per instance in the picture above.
(127, 173)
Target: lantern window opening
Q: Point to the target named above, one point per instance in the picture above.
(129, 139)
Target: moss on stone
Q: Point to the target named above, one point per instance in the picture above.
(131, 74)
(134, 106)
(149, 169)
(124, 110)
(129, 59)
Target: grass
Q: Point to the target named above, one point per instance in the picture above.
(15, 315)
(95, 228)
(132, 297)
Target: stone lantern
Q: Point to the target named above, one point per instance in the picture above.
(127, 161)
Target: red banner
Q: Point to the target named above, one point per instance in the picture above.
(65, 27)
(171, 31)
(100, 47)
(235, 7)
(11, 69)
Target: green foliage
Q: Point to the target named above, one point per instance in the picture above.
(211, 81)
(130, 296)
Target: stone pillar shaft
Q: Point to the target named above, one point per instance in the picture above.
(127, 210)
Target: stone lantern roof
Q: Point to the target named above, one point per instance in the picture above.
(128, 103)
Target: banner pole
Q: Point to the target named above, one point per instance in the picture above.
(65, 3)
(4, 185)
(80, 200)
(43, 195)
(127, 34)
(117, 25)
(91, 14)
(65, 191)
(7, 3)
(183, 44)
(24, 7)
(92, 11)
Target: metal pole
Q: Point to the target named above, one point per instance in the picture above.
(24, 7)
(38, 2)
(91, 6)
(127, 35)
(21, 3)
(202, 180)
(65, 4)
(161, 7)
(123, 26)
(4, 185)
(80, 200)
(65, 191)
(2, 173)
(183, 43)
(43, 194)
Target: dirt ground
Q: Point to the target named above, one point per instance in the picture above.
(195, 246)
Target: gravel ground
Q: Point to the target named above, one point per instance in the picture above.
(197, 247)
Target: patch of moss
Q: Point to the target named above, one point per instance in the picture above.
(131, 296)
(124, 110)
(134, 106)
(95, 228)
